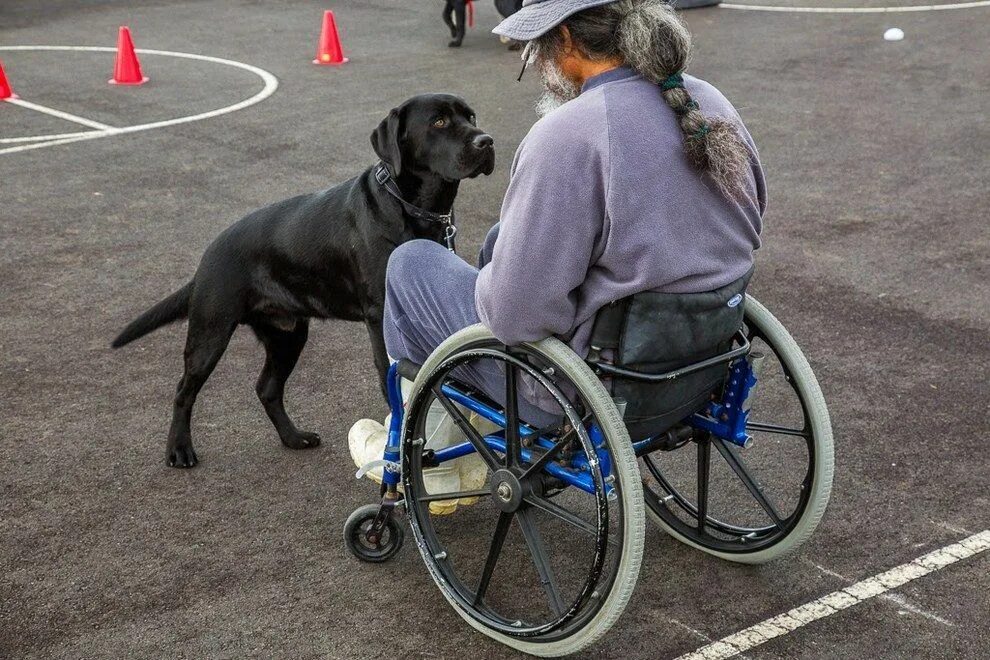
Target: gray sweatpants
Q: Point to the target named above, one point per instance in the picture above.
(429, 295)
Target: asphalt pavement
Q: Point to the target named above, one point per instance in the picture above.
(876, 256)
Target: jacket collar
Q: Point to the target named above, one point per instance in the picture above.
(618, 73)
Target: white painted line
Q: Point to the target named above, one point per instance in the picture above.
(61, 115)
(41, 138)
(952, 528)
(51, 143)
(829, 604)
(857, 10)
(270, 85)
(899, 600)
(697, 633)
(908, 606)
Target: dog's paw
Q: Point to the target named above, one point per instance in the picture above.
(456, 43)
(182, 456)
(302, 440)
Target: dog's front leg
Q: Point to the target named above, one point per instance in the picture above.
(282, 350)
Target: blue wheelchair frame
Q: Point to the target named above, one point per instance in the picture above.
(725, 418)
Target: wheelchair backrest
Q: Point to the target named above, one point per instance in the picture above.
(655, 332)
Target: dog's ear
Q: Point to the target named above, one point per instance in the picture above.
(385, 141)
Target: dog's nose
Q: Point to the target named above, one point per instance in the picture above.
(483, 141)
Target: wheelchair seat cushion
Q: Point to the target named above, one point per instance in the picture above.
(655, 332)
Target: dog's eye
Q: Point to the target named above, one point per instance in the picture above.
(440, 122)
(473, 120)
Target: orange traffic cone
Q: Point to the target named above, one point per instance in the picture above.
(126, 68)
(329, 51)
(5, 91)
(470, 13)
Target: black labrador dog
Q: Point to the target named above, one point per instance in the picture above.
(321, 255)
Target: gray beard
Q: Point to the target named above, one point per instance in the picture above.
(557, 89)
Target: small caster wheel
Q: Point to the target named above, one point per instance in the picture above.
(376, 550)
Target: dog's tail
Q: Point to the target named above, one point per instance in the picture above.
(173, 308)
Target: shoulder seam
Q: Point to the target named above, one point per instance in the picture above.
(608, 169)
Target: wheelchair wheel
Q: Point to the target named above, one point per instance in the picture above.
(380, 549)
(533, 562)
(762, 502)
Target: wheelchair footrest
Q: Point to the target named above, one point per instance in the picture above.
(391, 466)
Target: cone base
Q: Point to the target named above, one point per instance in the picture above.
(322, 63)
(10, 97)
(133, 84)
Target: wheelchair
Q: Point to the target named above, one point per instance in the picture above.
(736, 461)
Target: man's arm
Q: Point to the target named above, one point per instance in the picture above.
(552, 221)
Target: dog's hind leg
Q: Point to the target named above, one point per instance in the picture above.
(282, 349)
(205, 345)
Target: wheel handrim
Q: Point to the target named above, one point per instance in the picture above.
(569, 613)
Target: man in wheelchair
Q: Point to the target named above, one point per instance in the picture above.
(637, 178)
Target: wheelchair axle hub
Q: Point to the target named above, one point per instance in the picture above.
(374, 533)
(508, 491)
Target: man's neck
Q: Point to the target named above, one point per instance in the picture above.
(584, 69)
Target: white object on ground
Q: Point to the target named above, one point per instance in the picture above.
(893, 34)
(855, 10)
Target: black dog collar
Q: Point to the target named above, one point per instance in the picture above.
(385, 180)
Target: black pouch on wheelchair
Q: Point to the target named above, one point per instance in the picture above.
(654, 333)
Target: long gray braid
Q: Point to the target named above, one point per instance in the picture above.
(652, 39)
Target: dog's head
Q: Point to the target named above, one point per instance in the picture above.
(434, 134)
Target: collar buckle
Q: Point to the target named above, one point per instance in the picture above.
(381, 174)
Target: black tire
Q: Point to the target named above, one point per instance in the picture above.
(354, 535)
(579, 616)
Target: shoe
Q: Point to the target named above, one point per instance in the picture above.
(366, 441)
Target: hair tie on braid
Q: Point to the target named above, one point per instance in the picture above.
(673, 81)
(701, 132)
(682, 110)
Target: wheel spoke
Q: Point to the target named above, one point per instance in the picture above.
(494, 551)
(704, 459)
(562, 513)
(773, 428)
(512, 444)
(737, 465)
(454, 496)
(468, 429)
(540, 559)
